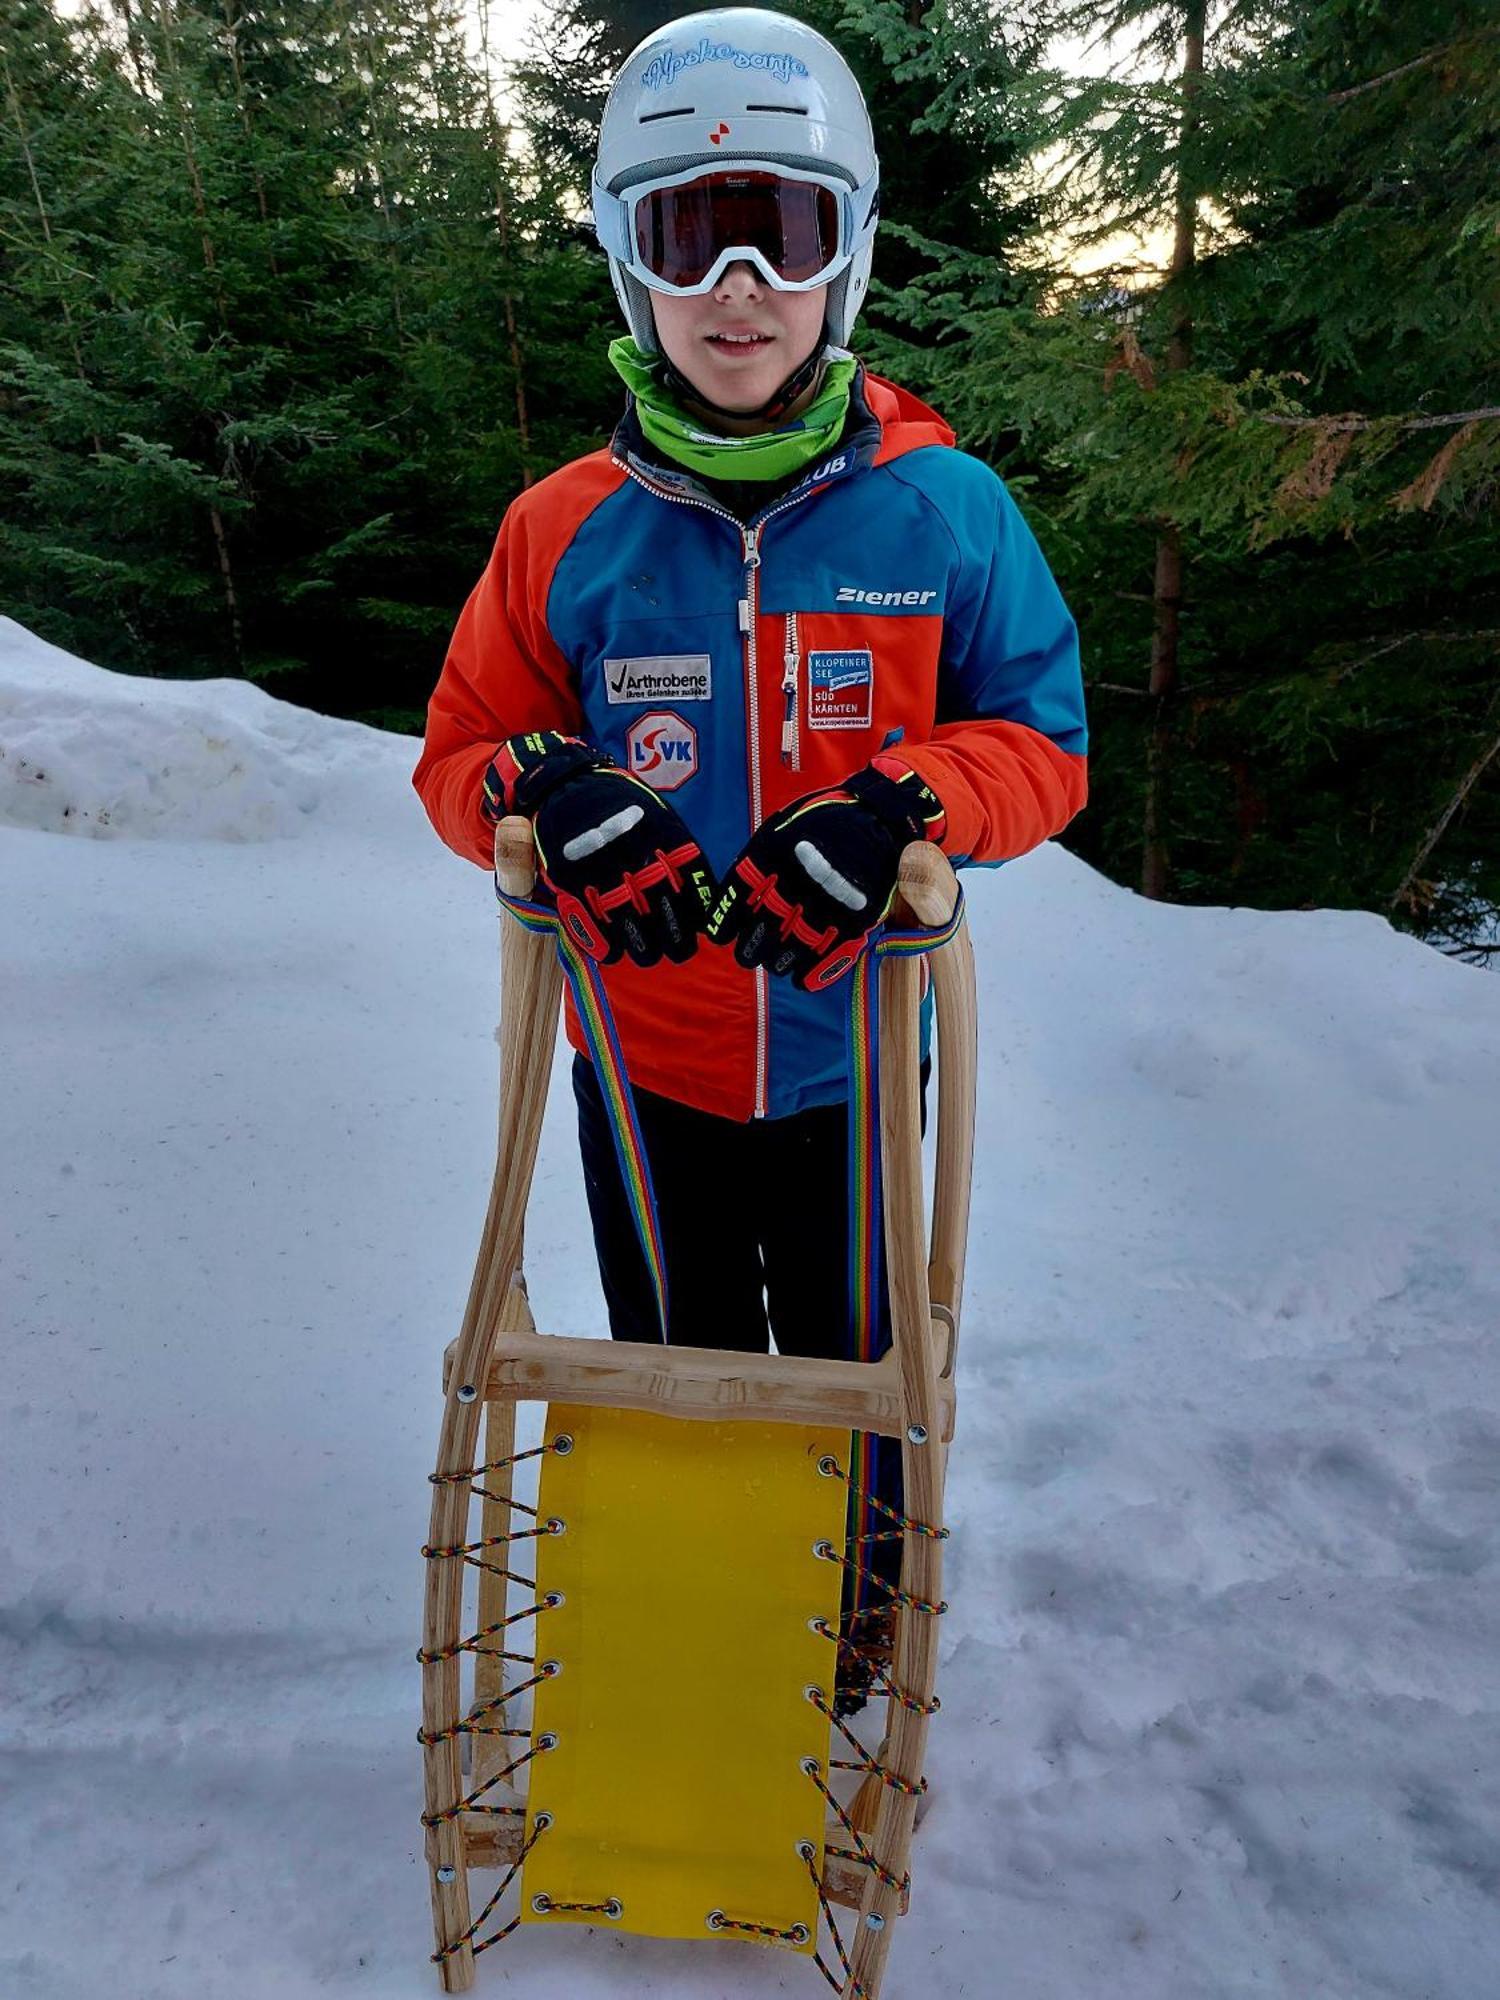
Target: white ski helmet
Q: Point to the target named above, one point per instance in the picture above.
(746, 85)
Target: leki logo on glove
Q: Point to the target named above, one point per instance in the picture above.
(659, 677)
(663, 750)
(840, 688)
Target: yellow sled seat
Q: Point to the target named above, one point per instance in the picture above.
(668, 1790)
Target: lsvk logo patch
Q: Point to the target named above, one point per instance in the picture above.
(662, 749)
(840, 688)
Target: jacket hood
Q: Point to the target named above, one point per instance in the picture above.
(906, 423)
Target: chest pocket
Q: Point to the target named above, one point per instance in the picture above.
(851, 679)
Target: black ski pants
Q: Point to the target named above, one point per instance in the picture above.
(754, 1224)
(755, 1231)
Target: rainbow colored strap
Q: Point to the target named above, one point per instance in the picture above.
(867, 1340)
(862, 1042)
(586, 983)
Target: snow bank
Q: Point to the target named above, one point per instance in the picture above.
(114, 756)
(1221, 1715)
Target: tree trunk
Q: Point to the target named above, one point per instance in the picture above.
(231, 26)
(502, 216)
(1405, 896)
(361, 55)
(231, 596)
(13, 99)
(133, 45)
(166, 20)
(1167, 594)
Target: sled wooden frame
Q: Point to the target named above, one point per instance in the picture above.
(499, 1360)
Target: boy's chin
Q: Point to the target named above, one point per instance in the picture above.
(733, 391)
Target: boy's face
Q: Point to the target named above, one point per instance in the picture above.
(696, 336)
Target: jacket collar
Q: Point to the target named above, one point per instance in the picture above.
(861, 444)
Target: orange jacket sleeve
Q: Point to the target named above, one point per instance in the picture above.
(503, 673)
(1008, 754)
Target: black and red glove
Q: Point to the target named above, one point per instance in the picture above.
(627, 874)
(816, 878)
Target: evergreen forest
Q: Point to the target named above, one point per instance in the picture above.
(296, 295)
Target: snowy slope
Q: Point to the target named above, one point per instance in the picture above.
(1221, 1704)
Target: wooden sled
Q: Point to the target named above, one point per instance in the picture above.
(691, 1415)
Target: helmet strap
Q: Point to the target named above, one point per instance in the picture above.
(775, 406)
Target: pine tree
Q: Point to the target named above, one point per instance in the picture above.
(288, 409)
(1267, 474)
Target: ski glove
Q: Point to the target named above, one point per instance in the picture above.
(817, 877)
(627, 874)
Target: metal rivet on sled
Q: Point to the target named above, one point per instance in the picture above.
(715, 1920)
(552, 1668)
(811, 1767)
(541, 1904)
(553, 1599)
(554, 1526)
(547, 1741)
(614, 1909)
(562, 1445)
(874, 1921)
(467, 1393)
(541, 1823)
(800, 1933)
(917, 1433)
(823, 1551)
(828, 1466)
(813, 1694)
(806, 1851)
(446, 1874)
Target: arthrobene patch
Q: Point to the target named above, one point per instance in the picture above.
(840, 689)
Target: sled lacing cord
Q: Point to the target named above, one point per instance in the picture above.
(471, 1644)
(862, 1852)
(469, 1804)
(470, 1936)
(865, 1761)
(857, 1987)
(799, 1934)
(888, 1686)
(826, 1552)
(831, 1469)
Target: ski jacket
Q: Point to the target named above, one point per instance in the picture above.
(892, 599)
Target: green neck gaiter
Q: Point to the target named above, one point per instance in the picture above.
(768, 455)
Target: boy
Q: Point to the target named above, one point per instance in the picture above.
(733, 664)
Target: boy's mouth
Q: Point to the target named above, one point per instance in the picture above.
(738, 343)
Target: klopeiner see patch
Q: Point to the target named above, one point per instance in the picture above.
(840, 690)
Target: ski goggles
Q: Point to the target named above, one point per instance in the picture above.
(681, 233)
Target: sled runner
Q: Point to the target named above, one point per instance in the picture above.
(664, 1755)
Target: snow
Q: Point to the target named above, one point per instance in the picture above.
(1221, 1711)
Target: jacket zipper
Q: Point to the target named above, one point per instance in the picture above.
(791, 742)
(750, 541)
